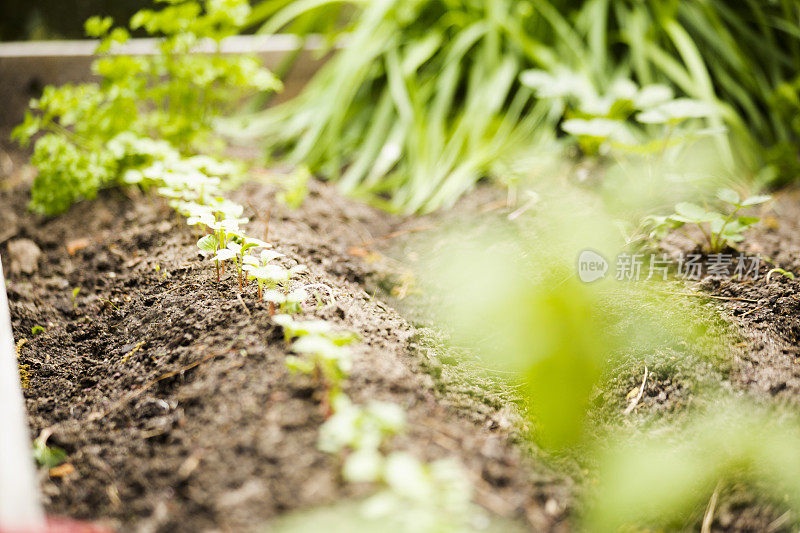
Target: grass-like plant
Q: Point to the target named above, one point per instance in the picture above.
(424, 98)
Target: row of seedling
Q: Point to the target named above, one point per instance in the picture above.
(417, 495)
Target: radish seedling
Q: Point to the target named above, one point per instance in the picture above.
(208, 246)
(325, 360)
(299, 328)
(240, 244)
(294, 301)
(357, 427)
(362, 430)
(98, 134)
(288, 303)
(266, 274)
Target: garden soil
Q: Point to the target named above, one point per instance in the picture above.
(169, 391)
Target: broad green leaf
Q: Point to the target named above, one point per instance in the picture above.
(225, 254)
(601, 128)
(208, 244)
(652, 95)
(276, 297)
(728, 195)
(692, 212)
(748, 221)
(755, 200)
(48, 456)
(298, 364)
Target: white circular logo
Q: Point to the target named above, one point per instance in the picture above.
(591, 266)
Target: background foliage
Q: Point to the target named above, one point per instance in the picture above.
(426, 100)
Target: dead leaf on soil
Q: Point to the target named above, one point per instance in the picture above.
(133, 262)
(357, 251)
(62, 470)
(76, 245)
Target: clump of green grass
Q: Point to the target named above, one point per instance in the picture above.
(425, 100)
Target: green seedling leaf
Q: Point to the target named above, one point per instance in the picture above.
(274, 296)
(268, 273)
(270, 255)
(35, 330)
(755, 200)
(298, 328)
(225, 254)
(676, 111)
(689, 212)
(360, 428)
(48, 456)
(363, 466)
(206, 219)
(653, 95)
(728, 195)
(747, 221)
(407, 476)
(254, 243)
(299, 365)
(208, 245)
(318, 345)
(297, 296)
(600, 128)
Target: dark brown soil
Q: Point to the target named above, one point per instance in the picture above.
(767, 313)
(170, 395)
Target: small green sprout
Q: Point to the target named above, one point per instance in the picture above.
(719, 227)
(157, 268)
(778, 270)
(288, 303)
(208, 246)
(294, 301)
(299, 328)
(361, 430)
(264, 273)
(74, 296)
(48, 456)
(240, 244)
(438, 494)
(321, 357)
(35, 330)
(295, 188)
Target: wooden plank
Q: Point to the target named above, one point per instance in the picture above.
(26, 67)
(19, 489)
